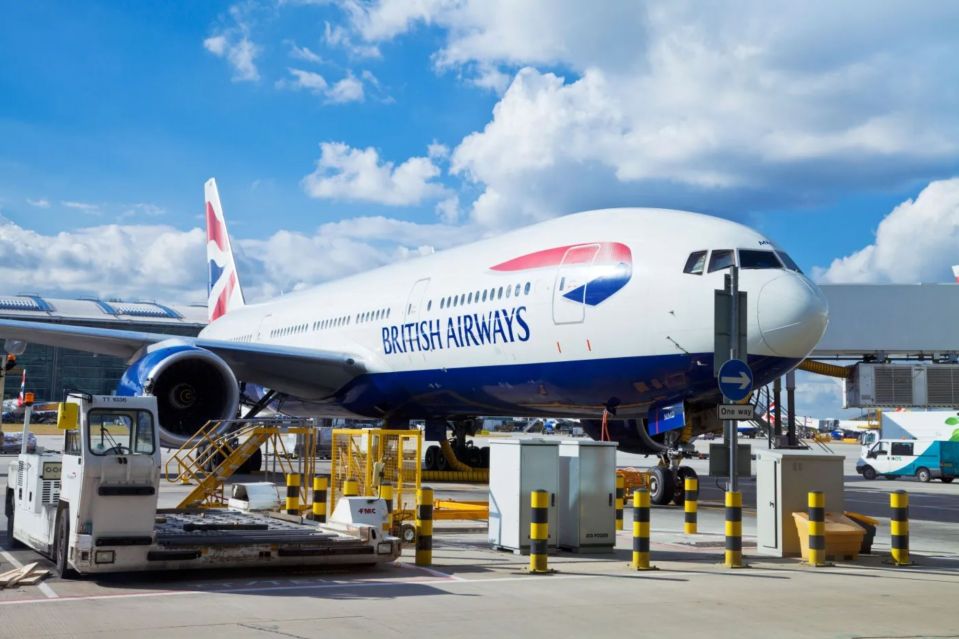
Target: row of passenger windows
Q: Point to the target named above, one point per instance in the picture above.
(242, 338)
(333, 322)
(316, 326)
(720, 259)
(371, 316)
(384, 313)
(478, 297)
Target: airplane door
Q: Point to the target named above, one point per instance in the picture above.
(262, 331)
(569, 290)
(414, 311)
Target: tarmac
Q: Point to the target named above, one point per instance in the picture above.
(471, 590)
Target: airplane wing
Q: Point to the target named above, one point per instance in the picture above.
(302, 372)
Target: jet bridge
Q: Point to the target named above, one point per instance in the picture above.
(880, 322)
(905, 338)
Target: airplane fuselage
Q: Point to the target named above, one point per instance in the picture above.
(564, 317)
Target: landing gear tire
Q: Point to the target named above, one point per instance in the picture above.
(11, 542)
(430, 461)
(869, 473)
(252, 465)
(661, 486)
(923, 475)
(62, 545)
(679, 490)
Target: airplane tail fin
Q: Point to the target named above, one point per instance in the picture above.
(955, 272)
(224, 290)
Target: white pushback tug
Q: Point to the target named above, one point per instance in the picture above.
(93, 508)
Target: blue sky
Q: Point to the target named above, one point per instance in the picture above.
(346, 134)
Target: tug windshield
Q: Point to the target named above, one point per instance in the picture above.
(112, 432)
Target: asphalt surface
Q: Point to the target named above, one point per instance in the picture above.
(471, 590)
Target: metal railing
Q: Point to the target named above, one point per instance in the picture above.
(221, 447)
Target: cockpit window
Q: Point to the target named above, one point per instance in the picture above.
(758, 259)
(696, 263)
(788, 262)
(721, 259)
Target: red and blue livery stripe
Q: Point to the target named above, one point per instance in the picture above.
(608, 267)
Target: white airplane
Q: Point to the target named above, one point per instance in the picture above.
(608, 309)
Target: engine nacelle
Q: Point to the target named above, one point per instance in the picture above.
(192, 386)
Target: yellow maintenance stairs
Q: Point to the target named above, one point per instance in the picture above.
(221, 447)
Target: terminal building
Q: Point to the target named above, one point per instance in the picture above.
(51, 371)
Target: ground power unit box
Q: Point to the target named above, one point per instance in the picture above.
(587, 500)
(517, 467)
(784, 479)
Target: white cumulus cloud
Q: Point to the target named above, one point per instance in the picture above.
(350, 174)
(161, 262)
(240, 53)
(724, 107)
(348, 89)
(41, 203)
(917, 242)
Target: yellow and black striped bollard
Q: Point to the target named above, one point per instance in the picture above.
(386, 494)
(734, 529)
(620, 500)
(690, 505)
(424, 527)
(899, 527)
(320, 485)
(641, 530)
(817, 528)
(538, 532)
(293, 494)
(351, 488)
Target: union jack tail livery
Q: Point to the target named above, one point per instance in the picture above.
(23, 389)
(224, 285)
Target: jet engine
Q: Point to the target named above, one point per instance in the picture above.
(192, 386)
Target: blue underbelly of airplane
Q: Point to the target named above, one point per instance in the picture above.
(628, 386)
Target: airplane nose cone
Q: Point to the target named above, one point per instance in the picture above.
(792, 315)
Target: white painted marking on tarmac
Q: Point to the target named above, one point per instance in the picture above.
(435, 573)
(343, 585)
(44, 587)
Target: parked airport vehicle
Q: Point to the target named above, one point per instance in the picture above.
(939, 424)
(609, 309)
(923, 459)
(93, 507)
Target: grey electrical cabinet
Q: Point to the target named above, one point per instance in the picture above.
(517, 467)
(587, 499)
(719, 460)
(784, 479)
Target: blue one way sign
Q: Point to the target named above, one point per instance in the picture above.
(735, 380)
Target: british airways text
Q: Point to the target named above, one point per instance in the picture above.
(501, 326)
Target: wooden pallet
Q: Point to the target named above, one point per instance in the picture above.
(28, 575)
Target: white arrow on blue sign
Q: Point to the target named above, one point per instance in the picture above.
(735, 379)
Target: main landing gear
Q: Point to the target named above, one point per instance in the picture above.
(667, 481)
(458, 448)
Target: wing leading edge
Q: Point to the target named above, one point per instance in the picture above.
(304, 373)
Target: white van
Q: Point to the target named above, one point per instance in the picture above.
(923, 459)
